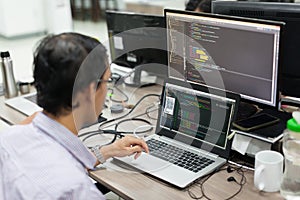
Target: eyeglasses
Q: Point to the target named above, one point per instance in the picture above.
(99, 81)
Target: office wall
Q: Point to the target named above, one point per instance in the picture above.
(21, 17)
(58, 17)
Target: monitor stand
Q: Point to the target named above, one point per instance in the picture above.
(246, 110)
(136, 80)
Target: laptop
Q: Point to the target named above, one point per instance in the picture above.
(193, 134)
(25, 104)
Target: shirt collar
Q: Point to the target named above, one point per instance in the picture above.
(66, 138)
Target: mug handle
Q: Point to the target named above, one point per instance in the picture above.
(257, 178)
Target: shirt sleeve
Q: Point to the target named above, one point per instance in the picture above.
(83, 191)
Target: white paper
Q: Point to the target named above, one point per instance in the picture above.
(241, 143)
(118, 42)
(169, 107)
(257, 145)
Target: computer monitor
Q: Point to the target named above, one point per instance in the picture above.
(235, 54)
(289, 73)
(287, 1)
(138, 41)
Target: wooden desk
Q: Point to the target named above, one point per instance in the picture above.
(131, 185)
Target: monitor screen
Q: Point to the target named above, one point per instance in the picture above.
(235, 54)
(138, 41)
(289, 73)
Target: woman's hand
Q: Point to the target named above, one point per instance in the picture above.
(126, 146)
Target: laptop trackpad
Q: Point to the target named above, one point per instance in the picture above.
(146, 162)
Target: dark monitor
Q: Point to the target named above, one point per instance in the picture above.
(289, 73)
(287, 1)
(235, 54)
(138, 41)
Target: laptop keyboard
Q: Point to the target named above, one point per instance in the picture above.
(177, 156)
(32, 98)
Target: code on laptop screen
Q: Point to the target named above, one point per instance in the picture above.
(197, 114)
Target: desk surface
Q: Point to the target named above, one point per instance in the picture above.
(131, 185)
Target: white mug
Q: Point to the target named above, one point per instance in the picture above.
(268, 170)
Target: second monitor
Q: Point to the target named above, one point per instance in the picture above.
(138, 41)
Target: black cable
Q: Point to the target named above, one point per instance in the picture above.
(121, 92)
(94, 133)
(136, 69)
(148, 111)
(108, 131)
(133, 108)
(207, 178)
(99, 132)
(115, 132)
(134, 119)
(201, 183)
(241, 183)
(87, 133)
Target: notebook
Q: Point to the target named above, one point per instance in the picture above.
(25, 104)
(193, 134)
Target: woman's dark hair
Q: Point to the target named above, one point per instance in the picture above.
(203, 5)
(63, 65)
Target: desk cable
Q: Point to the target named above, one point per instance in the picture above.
(111, 94)
(117, 80)
(120, 134)
(115, 132)
(136, 133)
(239, 170)
(148, 111)
(121, 117)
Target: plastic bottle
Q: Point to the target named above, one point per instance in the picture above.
(9, 83)
(290, 184)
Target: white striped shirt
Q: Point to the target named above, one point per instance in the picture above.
(44, 160)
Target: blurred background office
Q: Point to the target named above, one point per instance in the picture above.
(24, 23)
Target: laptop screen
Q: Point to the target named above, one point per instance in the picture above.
(199, 115)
